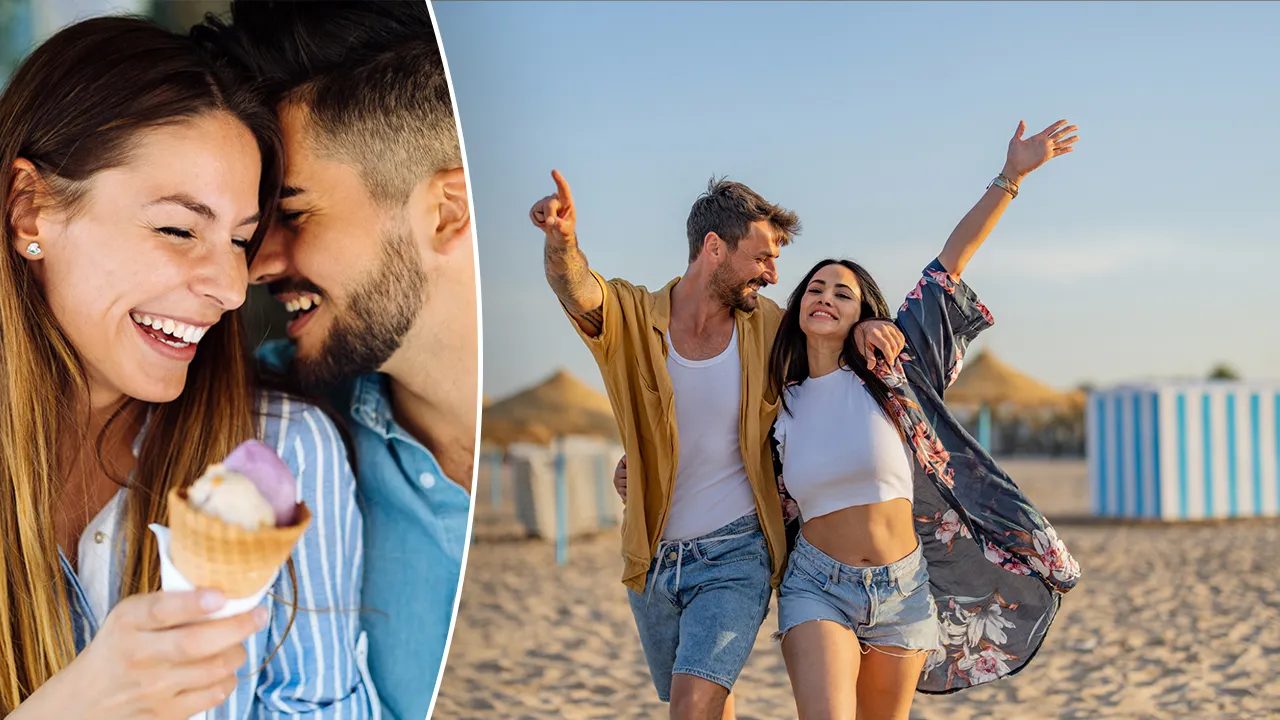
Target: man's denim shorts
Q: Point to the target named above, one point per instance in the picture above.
(703, 604)
(884, 605)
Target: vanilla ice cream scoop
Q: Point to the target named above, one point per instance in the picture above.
(231, 497)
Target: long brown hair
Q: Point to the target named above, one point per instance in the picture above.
(789, 358)
(73, 109)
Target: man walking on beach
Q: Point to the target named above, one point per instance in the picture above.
(372, 253)
(686, 372)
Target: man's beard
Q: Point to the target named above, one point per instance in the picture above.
(378, 313)
(732, 292)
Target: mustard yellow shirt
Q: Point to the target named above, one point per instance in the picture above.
(631, 351)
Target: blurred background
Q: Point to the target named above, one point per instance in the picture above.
(27, 22)
(1129, 386)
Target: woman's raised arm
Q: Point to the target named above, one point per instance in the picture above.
(1024, 156)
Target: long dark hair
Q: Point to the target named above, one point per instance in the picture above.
(74, 108)
(789, 359)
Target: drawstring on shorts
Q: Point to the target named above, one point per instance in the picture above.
(679, 547)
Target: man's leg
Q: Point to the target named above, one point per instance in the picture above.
(694, 706)
(695, 698)
(725, 594)
(658, 622)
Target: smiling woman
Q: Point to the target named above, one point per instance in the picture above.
(136, 165)
(180, 214)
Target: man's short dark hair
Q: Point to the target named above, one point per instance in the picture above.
(369, 74)
(728, 208)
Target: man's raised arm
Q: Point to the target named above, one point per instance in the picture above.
(567, 270)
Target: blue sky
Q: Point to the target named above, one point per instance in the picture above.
(1147, 253)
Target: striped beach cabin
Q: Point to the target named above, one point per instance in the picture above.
(1185, 450)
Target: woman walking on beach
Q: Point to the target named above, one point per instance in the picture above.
(919, 564)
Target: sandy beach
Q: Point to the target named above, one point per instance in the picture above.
(1169, 621)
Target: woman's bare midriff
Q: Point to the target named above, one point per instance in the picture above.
(865, 535)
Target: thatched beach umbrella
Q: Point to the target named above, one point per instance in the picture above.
(560, 405)
(1025, 414)
(988, 381)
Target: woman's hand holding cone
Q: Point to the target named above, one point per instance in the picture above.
(154, 658)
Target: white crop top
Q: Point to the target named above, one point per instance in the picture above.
(838, 449)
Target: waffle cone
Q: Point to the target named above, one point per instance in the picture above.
(216, 554)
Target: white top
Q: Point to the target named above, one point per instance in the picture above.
(96, 554)
(712, 488)
(838, 448)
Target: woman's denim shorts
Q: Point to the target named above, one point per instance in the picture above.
(884, 605)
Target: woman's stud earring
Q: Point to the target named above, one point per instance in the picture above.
(34, 249)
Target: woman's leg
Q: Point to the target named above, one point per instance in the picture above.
(822, 660)
(887, 682)
(728, 709)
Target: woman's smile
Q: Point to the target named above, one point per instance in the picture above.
(170, 330)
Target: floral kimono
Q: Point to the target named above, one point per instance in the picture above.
(997, 569)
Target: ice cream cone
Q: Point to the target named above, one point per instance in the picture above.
(216, 554)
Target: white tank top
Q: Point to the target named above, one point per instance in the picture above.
(838, 448)
(712, 488)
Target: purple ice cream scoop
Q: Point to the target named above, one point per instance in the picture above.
(270, 475)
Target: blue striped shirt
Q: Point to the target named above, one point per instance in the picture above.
(414, 542)
(320, 669)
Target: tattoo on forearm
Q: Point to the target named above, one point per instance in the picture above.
(570, 278)
(593, 320)
(568, 272)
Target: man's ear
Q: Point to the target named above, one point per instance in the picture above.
(23, 200)
(453, 210)
(712, 246)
